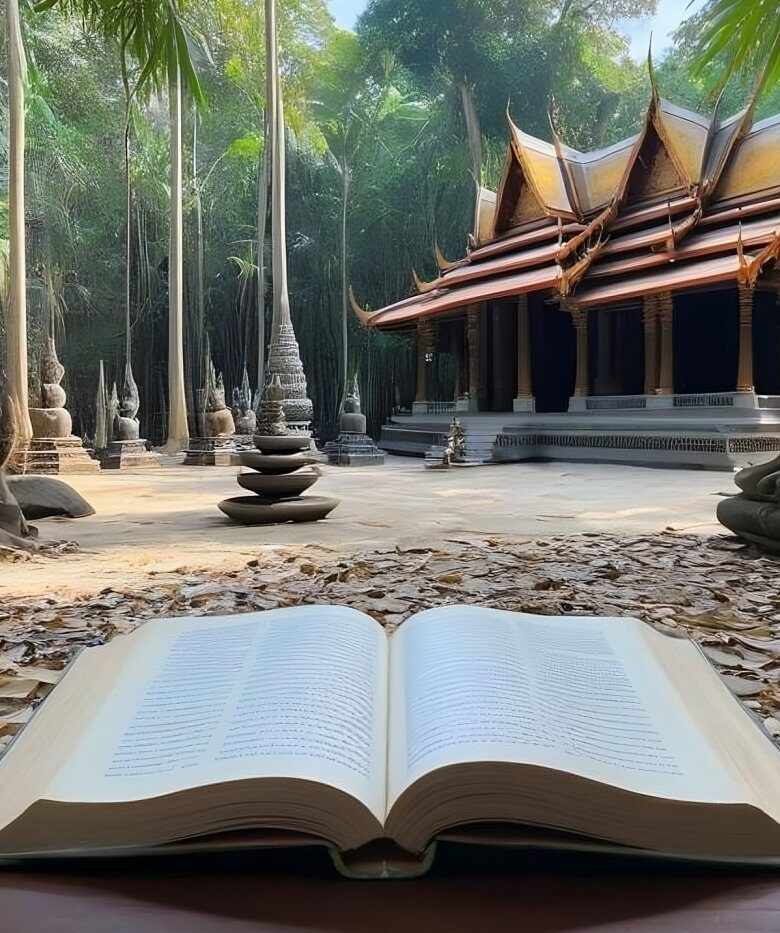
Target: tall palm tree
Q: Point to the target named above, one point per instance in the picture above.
(744, 36)
(359, 115)
(156, 35)
(16, 320)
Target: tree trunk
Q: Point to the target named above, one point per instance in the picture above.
(262, 221)
(178, 431)
(200, 270)
(278, 201)
(128, 198)
(474, 137)
(346, 177)
(17, 407)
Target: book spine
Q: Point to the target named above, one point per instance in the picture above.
(403, 867)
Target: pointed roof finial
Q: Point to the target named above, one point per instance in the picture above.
(651, 72)
(568, 181)
(362, 314)
(423, 287)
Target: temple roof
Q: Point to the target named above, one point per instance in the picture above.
(690, 200)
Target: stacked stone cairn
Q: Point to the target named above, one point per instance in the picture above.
(53, 447)
(280, 470)
(126, 449)
(353, 446)
(216, 445)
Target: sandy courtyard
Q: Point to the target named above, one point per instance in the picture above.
(167, 521)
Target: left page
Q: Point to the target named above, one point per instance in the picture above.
(289, 693)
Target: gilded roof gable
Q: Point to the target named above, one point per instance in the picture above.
(754, 167)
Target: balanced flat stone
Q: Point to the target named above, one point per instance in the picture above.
(253, 510)
(279, 485)
(274, 463)
(46, 497)
(284, 444)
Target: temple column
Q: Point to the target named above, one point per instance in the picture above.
(666, 314)
(424, 347)
(524, 400)
(745, 367)
(472, 351)
(650, 321)
(579, 319)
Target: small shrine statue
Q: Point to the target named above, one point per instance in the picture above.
(127, 424)
(455, 451)
(244, 417)
(51, 419)
(218, 420)
(270, 417)
(754, 514)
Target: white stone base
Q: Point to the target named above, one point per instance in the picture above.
(467, 404)
(524, 404)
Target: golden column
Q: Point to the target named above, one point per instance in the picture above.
(424, 346)
(579, 319)
(666, 314)
(650, 321)
(524, 387)
(745, 368)
(472, 339)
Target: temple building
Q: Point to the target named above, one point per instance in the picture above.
(614, 305)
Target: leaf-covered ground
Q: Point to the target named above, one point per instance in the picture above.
(722, 593)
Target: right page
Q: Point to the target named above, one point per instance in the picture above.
(579, 695)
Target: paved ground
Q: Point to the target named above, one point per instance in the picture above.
(167, 520)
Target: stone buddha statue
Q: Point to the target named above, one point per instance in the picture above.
(754, 514)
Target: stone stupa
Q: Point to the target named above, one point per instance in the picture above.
(53, 447)
(353, 447)
(280, 471)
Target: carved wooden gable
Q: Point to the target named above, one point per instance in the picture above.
(654, 173)
(517, 202)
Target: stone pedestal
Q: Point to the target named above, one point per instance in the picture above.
(210, 451)
(53, 455)
(353, 449)
(129, 455)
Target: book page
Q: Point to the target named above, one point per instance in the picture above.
(583, 695)
(299, 693)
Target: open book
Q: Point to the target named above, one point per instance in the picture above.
(312, 725)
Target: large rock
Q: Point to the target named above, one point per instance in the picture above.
(46, 497)
(754, 514)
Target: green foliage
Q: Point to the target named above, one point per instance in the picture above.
(384, 103)
(739, 38)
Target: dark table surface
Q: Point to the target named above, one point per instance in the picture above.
(300, 894)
